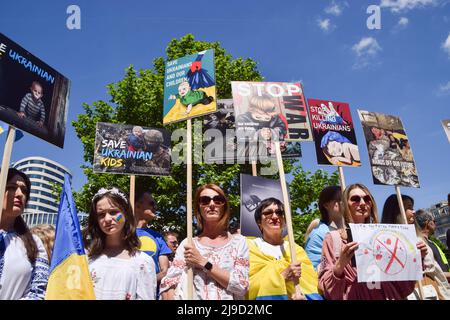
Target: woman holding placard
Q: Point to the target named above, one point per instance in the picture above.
(23, 260)
(338, 271)
(272, 275)
(219, 259)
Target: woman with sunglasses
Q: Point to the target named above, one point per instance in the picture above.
(219, 259)
(272, 275)
(338, 270)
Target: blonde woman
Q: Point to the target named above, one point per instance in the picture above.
(338, 271)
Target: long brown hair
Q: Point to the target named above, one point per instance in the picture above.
(95, 239)
(224, 220)
(373, 218)
(20, 227)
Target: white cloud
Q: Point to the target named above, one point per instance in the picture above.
(334, 9)
(367, 46)
(444, 89)
(405, 5)
(366, 51)
(446, 45)
(403, 22)
(324, 24)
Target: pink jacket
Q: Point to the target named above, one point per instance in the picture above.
(347, 286)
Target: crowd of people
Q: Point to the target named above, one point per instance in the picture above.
(128, 261)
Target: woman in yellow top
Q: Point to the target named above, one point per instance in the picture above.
(272, 275)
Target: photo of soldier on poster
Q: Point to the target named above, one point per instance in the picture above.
(334, 134)
(389, 150)
(128, 149)
(33, 95)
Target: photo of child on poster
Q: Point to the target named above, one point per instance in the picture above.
(389, 150)
(253, 191)
(33, 95)
(221, 144)
(189, 87)
(128, 149)
(334, 135)
(267, 112)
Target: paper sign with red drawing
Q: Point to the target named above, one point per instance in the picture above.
(386, 252)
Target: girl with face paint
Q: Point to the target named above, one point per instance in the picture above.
(118, 269)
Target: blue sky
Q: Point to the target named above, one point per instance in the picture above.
(402, 69)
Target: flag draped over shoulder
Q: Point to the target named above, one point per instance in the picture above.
(69, 273)
(266, 281)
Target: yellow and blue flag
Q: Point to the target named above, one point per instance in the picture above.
(266, 281)
(69, 272)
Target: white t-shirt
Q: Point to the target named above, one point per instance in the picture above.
(123, 279)
(19, 279)
(276, 251)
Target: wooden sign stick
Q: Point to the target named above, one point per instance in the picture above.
(132, 190)
(402, 210)
(341, 178)
(254, 171)
(5, 164)
(190, 273)
(287, 209)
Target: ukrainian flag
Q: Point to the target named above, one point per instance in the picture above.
(69, 273)
(266, 281)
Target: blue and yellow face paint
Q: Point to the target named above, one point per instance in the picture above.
(120, 218)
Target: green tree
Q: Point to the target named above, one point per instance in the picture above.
(138, 99)
(304, 191)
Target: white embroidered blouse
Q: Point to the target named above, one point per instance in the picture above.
(233, 257)
(123, 279)
(19, 279)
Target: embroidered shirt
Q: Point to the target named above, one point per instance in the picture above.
(19, 279)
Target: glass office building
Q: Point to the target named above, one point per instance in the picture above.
(44, 173)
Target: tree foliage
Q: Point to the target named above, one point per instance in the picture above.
(138, 99)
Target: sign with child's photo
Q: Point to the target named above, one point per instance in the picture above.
(267, 112)
(220, 137)
(390, 153)
(133, 150)
(33, 95)
(334, 135)
(189, 87)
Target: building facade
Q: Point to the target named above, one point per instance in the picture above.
(441, 213)
(43, 205)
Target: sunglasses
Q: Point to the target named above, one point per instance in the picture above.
(357, 199)
(269, 213)
(206, 200)
(174, 243)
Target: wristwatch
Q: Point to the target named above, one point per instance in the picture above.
(208, 266)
